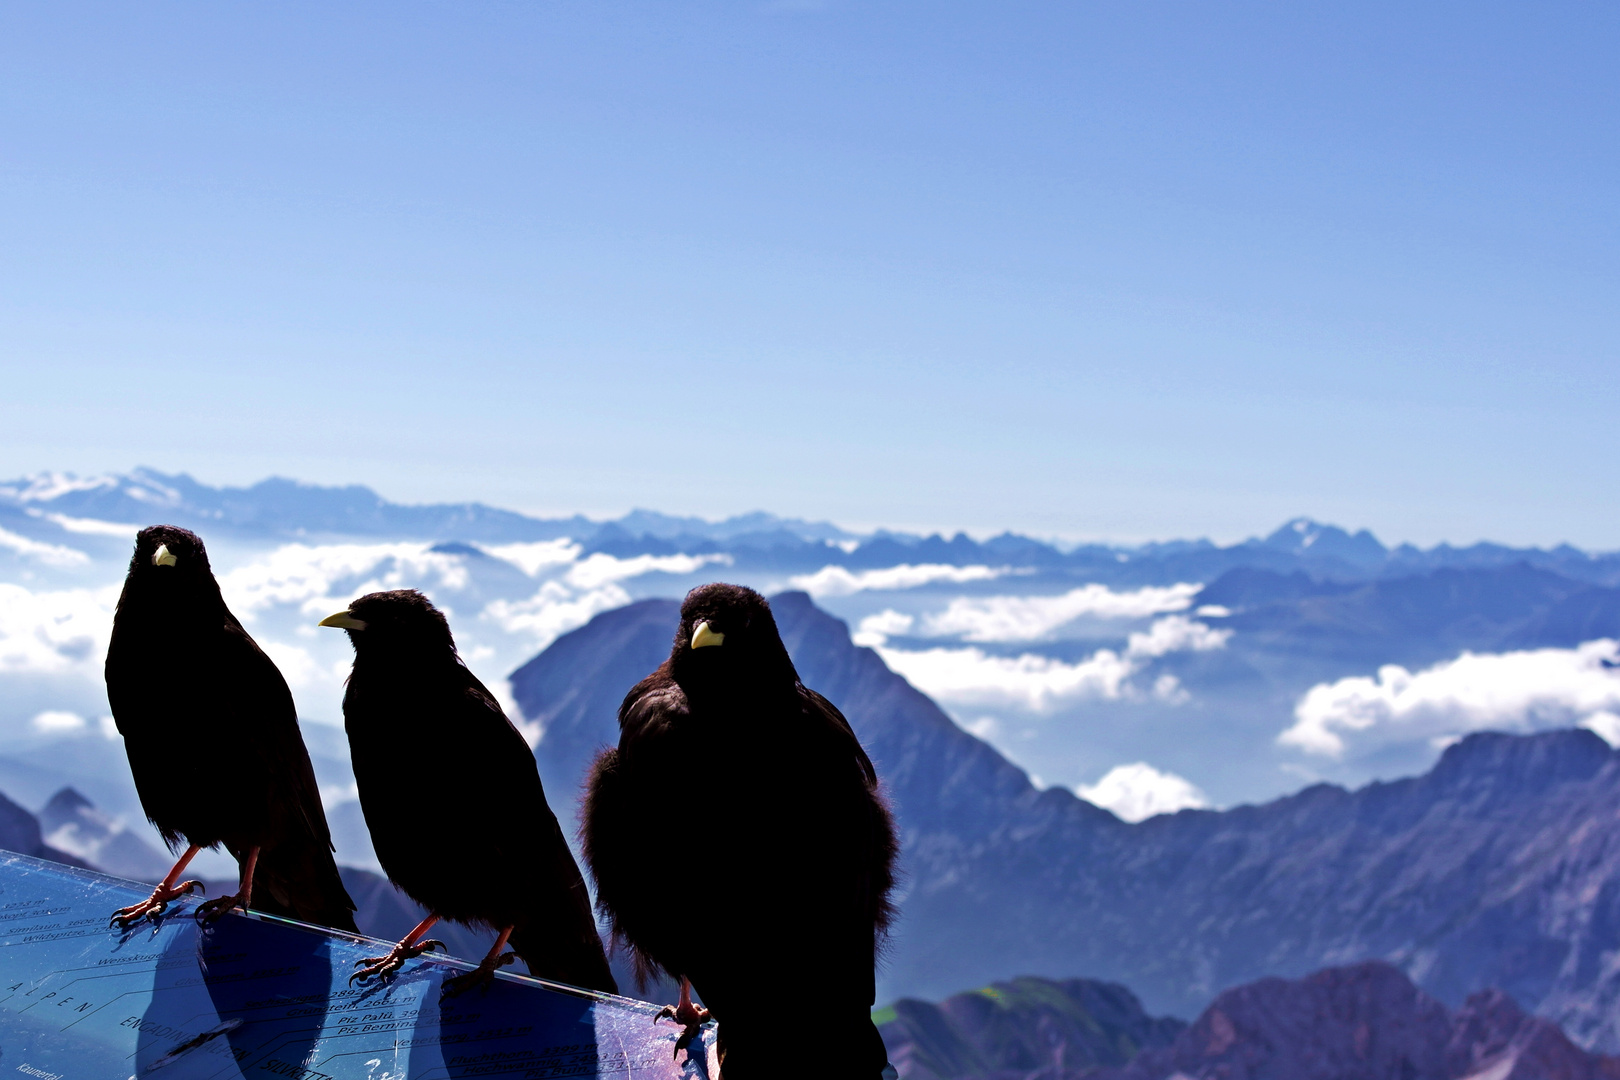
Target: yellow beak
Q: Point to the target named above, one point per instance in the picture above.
(343, 621)
(704, 636)
(164, 557)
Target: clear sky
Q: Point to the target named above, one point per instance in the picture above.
(1117, 270)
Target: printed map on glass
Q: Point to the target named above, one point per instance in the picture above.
(256, 997)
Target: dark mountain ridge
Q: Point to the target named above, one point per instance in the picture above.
(1499, 867)
(1416, 619)
(1362, 1022)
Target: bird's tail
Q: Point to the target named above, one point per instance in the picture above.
(298, 879)
(559, 942)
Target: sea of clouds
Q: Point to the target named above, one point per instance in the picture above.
(1002, 657)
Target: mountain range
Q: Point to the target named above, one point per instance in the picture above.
(288, 509)
(1498, 868)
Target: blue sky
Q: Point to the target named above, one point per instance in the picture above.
(1118, 270)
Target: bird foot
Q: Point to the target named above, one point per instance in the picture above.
(687, 1014)
(153, 906)
(211, 910)
(387, 965)
(482, 975)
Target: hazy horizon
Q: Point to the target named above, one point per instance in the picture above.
(1258, 531)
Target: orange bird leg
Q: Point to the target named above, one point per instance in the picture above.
(156, 904)
(691, 1016)
(210, 910)
(484, 973)
(407, 949)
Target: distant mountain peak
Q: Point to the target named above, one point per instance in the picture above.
(1306, 537)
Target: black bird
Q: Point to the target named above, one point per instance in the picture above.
(213, 741)
(738, 839)
(452, 797)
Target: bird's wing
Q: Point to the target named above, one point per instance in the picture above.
(556, 932)
(490, 751)
(635, 791)
(297, 874)
(251, 680)
(826, 716)
(862, 811)
(654, 700)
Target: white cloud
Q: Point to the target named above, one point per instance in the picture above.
(335, 795)
(1605, 724)
(317, 578)
(1517, 691)
(1176, 633)
(1139, 791)
(837, 581)
(49, 554)
(874, 630)
(553, 610)
(1027, 618)
(600, 569)
(55, 632)
(970, 676)
(1168, 688)
(92, 527)
(985, 727)
(301, 670)
(58, 722)
(534, 557)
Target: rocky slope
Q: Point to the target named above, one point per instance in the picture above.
(1500, 867)
(1020, 1027)
(1362, 1022)
(1365, 1022)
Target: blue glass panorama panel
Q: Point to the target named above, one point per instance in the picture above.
(257, 997)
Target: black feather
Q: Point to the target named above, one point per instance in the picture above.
(212, 732)
(738, 838)
(452, 795)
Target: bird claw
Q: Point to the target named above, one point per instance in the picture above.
(210, 910)
(687, 1014)
(482, 975)
(153, 907)
(387, 965)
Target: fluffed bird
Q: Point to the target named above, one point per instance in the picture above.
(452, 796)
(738, 837)
(213, 741)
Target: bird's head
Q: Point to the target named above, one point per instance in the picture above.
(401, 622)
(170, 556)
(728, 644)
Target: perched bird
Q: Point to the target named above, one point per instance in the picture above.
(452, 797)
(213, 741)
(739, 840)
